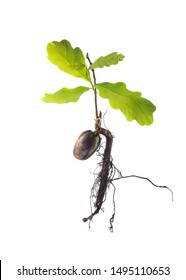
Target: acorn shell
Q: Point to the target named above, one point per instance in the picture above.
(86, 144)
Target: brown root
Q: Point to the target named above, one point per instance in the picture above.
(104, 178)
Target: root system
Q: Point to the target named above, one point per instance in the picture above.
(105, 174)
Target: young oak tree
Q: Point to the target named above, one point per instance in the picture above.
(131, 104)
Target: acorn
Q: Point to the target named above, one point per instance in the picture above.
(86, 144)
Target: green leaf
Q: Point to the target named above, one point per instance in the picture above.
(110, 59)
(69, 60)
(65, 95)
(132, 105)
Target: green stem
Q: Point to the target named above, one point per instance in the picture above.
(93, 85)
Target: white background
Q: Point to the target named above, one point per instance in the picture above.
(44, 190)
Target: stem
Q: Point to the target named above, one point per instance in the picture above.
(93, 85)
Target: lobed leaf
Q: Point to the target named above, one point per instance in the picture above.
(65, 95)
(132, 105)
(69, 60)
(110, 59)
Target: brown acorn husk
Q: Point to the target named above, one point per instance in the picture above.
(86, 144)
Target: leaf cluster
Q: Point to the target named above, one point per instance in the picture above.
(72, 61)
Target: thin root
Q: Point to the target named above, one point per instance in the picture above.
(144, 178)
